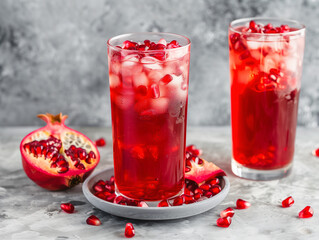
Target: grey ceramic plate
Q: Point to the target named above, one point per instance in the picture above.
(150, 213)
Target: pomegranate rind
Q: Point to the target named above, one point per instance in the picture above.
(203, 172)
(48, 178)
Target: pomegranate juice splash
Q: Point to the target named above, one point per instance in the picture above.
(265, 67)
(149, 89)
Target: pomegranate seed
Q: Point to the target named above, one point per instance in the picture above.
(120, 200)
(82, 154)
(155, 91)
(163, 203)
(67, 207)
(242, 204)
(100, 142)
(92, 155)
(188, 199)
(147, 43)
(288, 202)
(228, 212)
(112, 180)
(63, 170)
(111, 198)
(142, 90)
(129, 230)
(205, 186)
(166, 79)
(234, 38)
(178, 201)
(197, 196)
(39, 150)
(187, 169)
(93, 220)
(215, 189)
(208, 194)
(79, 166)
(223, 222)
(316, 152)
(188, 192)
(214, 181)
(307, 212)
(142, 204)
(129, 45)
(253, 26)
(198, 190)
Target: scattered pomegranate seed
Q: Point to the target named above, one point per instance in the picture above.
(242, 204)
(288, 202)
(307, 212)
(215, 189)
(67, 207)
(223, 222)
(93, 220)
(228, 212)
(100, 142)
(316, 152)
(129, 230)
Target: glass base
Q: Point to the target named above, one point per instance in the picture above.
(262, 175)
(150, 203)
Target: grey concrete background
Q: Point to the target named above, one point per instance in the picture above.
(53, 54)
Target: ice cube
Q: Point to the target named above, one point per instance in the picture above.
(159, 105)
(114, 80)
(151, 63)
(131, 66)
(140, 80)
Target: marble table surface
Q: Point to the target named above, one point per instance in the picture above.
(30, 212)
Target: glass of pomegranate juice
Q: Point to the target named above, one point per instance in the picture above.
(148, 76)
(265, 57)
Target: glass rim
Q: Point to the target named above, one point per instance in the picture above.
(300, 29)
(150, 34)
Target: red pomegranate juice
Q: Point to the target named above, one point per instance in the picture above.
(265, 67)
(149, 89)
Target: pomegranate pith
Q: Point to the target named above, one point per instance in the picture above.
(57, 157)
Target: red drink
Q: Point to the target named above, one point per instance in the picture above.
(149, 87)
(265, 67)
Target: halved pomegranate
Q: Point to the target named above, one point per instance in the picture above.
(57, 157)
(199, 170)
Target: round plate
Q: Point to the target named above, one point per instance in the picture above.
(150, 213)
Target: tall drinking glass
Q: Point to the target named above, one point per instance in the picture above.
(265, 69)
(149, 92)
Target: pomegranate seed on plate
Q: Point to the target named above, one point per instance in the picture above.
(178, 201)
(228, 212)
(129, 230)
(93, 220)
(242, 204)
(288, 202)
(307, 212)
(142, 204)
(223, 222)
(67, 207)
(163, 203)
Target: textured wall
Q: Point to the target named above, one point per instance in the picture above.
(53, 54)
